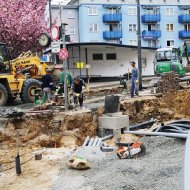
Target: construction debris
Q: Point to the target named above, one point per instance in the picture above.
(134, 150)
(169, 82)
(78, 163)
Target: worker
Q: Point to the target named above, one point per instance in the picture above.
(76, 88)
(61, 80)
(47, 84)
(134, 80)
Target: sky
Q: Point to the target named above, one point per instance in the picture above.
(56, 2)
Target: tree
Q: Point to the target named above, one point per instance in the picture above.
(21, 23)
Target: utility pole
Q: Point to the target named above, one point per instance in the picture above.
(139, 44)
(50, 15)
(65, 61)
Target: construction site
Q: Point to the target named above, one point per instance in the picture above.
(99, 146)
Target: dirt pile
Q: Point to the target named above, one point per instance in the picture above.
(171, 106)
(49, 130)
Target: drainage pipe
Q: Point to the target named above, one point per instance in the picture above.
(86, 141)
(99, 142)
(157, 134)
(95, 141)
(108, 148)
(107, 137)
(142, 125)
(91, 142)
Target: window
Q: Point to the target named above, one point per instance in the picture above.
(133, 42)
(132, 27)
(70, 14)
(169, 11)
(72, 30)
(93, 28)
(132, 11)
(92, 11)
(169, 27)
(111, 56)
(97, 56)
(112, 10)
(186, 11)
(187, 27)
(170, 43)
(152, 43)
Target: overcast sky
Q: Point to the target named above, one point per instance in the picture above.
(63, 2)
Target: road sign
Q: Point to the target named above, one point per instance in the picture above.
(55, 33)
(63, 54)
(55, 47)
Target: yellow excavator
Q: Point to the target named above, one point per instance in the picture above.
(18, 77)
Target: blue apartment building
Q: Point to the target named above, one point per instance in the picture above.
(110, 27)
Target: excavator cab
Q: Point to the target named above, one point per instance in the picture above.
(167, 60)
(4, 59)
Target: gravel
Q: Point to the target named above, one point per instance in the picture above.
(160, 168)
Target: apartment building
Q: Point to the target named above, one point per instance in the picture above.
(113, 24)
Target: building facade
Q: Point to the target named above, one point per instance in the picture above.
(163, 23)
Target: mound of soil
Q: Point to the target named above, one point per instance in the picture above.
(173, 105)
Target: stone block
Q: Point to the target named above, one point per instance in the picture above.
(116, 122)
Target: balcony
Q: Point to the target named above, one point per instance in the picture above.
(112, 18)
(112, 35)
(184, 34)
(185, 18)
(151, 18)
(151, 35)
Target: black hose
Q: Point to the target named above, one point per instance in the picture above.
(142, 125)
(180, 125)
(181, 122)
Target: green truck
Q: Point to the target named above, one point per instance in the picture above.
(171, 59)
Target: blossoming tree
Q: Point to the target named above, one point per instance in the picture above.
(21, 23)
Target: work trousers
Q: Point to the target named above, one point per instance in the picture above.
(47, 93)
(78, 97)
(134, 88)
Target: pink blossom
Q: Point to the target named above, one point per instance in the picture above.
(21, 23)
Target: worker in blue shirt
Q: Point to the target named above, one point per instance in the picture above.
(134, 80)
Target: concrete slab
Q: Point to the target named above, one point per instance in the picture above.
(114, 122)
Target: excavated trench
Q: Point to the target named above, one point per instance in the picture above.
(59, 129)
(174, 105)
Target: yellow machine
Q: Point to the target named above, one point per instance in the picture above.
(28, 65)
(18, 77)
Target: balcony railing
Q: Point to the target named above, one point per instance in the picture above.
(151, 35)
(151, 18)
(112, 18)
(111, 35)
(184, 34)
(184, 18)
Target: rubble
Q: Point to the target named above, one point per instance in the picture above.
(169, 82)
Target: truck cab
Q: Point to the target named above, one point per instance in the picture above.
(167, 60)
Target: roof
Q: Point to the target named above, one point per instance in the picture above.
(166, 49)
(107, 44)
(101, 44)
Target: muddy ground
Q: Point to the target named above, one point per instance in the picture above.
(161, 168)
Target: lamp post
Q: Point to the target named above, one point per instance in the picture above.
(50, 15)
(65, 61)
(139, 44)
